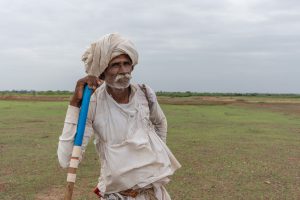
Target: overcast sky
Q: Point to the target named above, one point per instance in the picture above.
(190, 45)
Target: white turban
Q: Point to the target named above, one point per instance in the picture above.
(97, 57)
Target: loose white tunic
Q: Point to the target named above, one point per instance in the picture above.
(129, 139)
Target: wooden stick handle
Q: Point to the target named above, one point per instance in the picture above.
(69, 191)
(71, 178)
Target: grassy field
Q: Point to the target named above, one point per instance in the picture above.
(227, 150)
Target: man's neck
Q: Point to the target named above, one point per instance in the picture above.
(119, 95)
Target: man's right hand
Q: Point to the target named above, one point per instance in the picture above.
(92, 81)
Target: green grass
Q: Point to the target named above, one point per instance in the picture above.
(226, 152)
(234, 153)
(28, 142)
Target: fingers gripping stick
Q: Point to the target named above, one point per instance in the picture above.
(76, 153)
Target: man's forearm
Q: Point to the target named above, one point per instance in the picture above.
(66, 139)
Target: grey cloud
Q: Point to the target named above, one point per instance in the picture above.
(222, 45)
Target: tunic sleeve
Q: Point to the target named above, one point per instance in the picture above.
(66, 140)
(157, 116)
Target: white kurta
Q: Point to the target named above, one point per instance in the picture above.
(129, 139)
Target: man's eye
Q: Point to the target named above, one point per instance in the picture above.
(127, 63)
(115, 65)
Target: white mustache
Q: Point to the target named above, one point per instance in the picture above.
(123, 76)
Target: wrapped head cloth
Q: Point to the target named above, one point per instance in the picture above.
(97, 57)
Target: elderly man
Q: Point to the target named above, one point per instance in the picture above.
(129, 126)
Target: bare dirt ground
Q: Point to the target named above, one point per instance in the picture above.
(194, 100)
(285, 105)
(57, 193)
(51, 194)
(288, 108)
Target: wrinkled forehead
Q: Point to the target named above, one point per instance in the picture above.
(119, 58)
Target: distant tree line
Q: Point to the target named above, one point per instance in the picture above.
(190, 94)
(159, 93)
(34, 92)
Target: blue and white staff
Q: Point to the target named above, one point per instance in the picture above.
(76, 153)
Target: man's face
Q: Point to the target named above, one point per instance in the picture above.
(118, 72)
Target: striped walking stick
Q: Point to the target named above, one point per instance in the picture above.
(76, 153)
